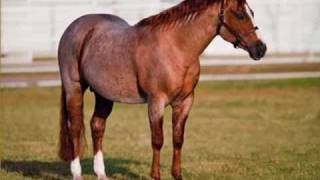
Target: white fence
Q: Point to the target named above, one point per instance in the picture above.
(35, 26)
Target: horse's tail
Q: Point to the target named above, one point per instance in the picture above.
(65, 144)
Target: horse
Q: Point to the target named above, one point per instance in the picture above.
(155, 61)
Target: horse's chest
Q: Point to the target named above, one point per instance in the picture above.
(187, 81)
(191, 77)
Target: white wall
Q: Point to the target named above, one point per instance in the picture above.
(36, 25)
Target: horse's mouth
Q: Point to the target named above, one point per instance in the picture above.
(258, 50)
(254, 57)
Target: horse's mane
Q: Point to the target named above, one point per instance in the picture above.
(181, 13)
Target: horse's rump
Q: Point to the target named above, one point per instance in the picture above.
(102, 45)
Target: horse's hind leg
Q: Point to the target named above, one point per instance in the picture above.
(103, 108)
(74, 125)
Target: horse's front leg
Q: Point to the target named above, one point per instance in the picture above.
(102, 110)
(180, 111)
(155, 112)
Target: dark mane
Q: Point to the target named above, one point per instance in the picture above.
(181, 13)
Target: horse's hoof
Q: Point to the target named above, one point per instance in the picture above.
(77, 178)
(102, 178)
(177, 177)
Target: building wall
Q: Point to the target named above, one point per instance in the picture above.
(35, 26)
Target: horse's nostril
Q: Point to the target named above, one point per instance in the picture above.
(260, 45)
(261, 48)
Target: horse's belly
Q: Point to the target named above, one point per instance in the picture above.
(116, 90)
(118, 84)
(121, 93)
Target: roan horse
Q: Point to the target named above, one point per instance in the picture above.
(155, 61)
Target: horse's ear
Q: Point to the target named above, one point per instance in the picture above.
(241, 2)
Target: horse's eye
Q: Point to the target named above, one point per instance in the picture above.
(239, 15)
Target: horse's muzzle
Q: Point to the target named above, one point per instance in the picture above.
(257, 50)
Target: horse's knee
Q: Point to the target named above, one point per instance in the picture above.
(157, 137)
(157, 142)
(178, 138)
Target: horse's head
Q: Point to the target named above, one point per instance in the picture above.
(236, 25)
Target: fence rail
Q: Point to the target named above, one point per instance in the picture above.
(46, 74)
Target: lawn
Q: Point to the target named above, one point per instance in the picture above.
(236, 130)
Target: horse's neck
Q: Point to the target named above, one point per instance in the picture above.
(194, 36)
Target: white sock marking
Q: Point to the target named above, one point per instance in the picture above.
(98, 164)
(75, 167)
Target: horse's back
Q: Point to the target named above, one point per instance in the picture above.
(77, 31)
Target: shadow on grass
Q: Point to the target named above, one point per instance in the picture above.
(60, 170)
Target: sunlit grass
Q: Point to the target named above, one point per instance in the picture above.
(236, 130)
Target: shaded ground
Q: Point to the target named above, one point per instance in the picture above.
(237, 130)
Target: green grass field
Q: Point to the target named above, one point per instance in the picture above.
(236, 130)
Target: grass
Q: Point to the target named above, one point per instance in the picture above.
(236, 130)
